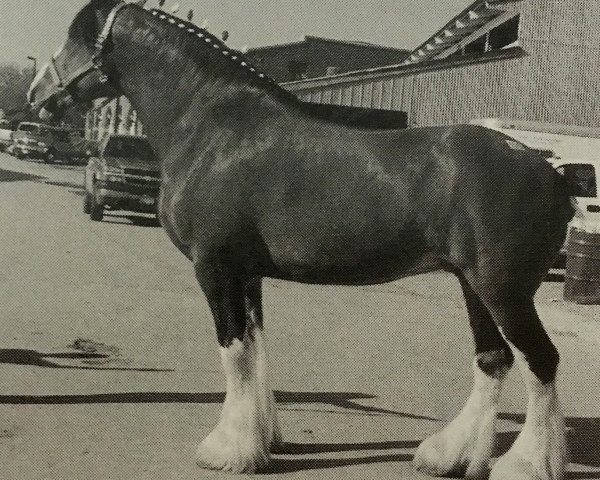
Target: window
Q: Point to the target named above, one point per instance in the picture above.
(476, 46)
(582, 175)
(297, 69)
(505, 34)
(131, 147)
(107, 118)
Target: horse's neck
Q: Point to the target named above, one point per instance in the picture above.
(177, 95)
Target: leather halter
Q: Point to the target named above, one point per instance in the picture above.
(100, 45)
(96, 62)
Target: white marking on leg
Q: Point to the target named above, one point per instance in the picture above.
(540, 450)
(466, 445)
(241, 441)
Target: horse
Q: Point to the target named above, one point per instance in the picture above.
(255, 187)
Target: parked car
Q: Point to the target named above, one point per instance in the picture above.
(37, 140)
(6, 135)
(125, 175)
(584, 174)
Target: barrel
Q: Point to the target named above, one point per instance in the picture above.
(582, 274)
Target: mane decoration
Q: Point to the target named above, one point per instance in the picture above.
(237, 58)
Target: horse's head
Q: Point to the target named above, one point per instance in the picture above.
(78, 71)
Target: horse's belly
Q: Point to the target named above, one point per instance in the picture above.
(351, 267)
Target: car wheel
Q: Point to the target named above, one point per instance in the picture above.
(50, 156)
(96, 209)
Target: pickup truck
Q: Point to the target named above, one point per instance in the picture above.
(125, 175)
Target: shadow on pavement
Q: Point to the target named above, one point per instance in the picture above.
(280, 465)
(31, 357)
(583, 440)
(308, 448)
(77, 186)
(137, 220)
(10, 176)
(338, 399)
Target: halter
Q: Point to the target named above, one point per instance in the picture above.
(100, 45)
(96, 62)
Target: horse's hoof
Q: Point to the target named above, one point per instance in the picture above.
(452, 453)
(219, 451)
(514, 467)
(432, 458)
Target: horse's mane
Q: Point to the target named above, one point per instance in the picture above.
(236, 58)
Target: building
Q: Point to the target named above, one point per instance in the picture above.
(530, 60)
(525, 60)
(320, 57)
(116, 116)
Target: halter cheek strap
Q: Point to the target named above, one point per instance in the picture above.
(100, 45)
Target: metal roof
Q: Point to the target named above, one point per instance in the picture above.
(311, 38)
(470, 20)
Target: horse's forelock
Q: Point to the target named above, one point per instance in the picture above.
(85, 25)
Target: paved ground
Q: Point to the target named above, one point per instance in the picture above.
(109, 368)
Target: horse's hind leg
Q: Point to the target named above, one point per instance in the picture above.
(247, 429)
(540, 451)
(466, 445)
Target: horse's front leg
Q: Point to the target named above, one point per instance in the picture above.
(248, 428)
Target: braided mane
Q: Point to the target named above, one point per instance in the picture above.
(235, 57)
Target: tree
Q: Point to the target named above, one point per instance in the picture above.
(14, 83)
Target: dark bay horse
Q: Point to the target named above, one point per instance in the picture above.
(254, 187)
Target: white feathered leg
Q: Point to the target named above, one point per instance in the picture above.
(540, 450)
(466, 445)
(248, 427)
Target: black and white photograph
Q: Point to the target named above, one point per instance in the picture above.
(299, 239)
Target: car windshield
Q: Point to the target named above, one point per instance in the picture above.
(28, 127)
(129, 147)
(61, 135)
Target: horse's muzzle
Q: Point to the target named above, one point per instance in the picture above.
(48, 95)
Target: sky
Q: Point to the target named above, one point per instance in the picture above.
(37, 27)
